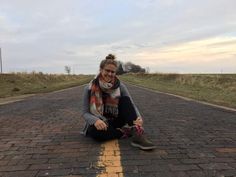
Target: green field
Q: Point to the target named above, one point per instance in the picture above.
(23, 83)
(213, 88)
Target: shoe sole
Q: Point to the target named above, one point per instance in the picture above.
(142, 147)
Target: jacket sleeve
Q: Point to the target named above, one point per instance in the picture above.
(125, 92)
(88, 117)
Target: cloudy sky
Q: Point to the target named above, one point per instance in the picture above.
(177, 36)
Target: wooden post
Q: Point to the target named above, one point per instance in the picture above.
(1, 60)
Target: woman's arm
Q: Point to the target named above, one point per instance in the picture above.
(88, 117)
(125, 92)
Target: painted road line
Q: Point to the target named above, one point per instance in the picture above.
(110, 160)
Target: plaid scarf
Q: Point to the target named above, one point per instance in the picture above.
(104, 98)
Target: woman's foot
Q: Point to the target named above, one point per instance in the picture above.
(139, 140)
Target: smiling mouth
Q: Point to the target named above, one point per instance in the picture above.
(109, 78)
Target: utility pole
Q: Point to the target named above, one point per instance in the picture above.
(1, 59)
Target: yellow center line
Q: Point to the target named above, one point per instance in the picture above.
(110, 160)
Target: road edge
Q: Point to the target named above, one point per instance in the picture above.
(14, 99)
(185, 98)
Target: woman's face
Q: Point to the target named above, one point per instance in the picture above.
(108, 72)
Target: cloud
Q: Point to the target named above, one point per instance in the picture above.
(169, 35)
(191, 54)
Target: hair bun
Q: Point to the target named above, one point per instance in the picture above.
(110, 57)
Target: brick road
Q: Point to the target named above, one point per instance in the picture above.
(40, 136)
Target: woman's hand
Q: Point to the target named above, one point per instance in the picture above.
(138, 121)
(100, 125)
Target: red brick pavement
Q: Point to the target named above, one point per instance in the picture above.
(40, 136)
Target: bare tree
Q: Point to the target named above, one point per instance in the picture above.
(68, 69)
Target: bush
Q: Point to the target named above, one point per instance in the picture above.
(15, 89)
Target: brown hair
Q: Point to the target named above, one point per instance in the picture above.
(110, 59)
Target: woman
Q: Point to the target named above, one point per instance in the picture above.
(108, 109)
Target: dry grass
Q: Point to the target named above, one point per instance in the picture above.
(214, 88)
(23, 83)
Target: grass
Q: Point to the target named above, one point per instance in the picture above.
(22, 83)
(213, 88)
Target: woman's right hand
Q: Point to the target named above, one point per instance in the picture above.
(100, 125)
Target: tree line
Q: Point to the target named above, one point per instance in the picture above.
(123, 68)
(130, 67)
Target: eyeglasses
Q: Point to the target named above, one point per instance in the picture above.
(109, 71)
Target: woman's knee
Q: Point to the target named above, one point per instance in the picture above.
(101, 135)
(94, 133)
(124, 100)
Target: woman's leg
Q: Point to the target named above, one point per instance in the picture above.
(102, 135)
(127, 113)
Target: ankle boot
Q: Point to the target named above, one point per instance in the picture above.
(139, 140)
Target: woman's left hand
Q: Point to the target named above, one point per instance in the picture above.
(138, 121)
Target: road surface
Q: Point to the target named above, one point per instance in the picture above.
(40, 136)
